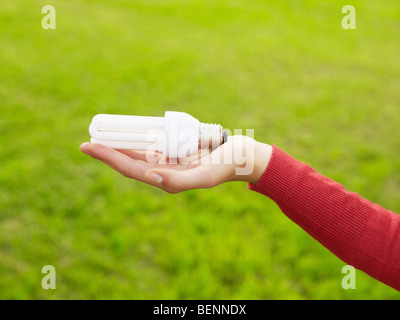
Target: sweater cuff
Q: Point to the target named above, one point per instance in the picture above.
(276, 164)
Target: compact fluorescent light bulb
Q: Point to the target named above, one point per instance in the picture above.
(176, 135)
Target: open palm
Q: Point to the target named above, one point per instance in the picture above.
(203, 170)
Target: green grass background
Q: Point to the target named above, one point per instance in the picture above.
(328, 96)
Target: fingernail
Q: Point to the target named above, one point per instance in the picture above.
(83, 146)
(155, 177)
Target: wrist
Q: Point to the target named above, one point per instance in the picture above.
(260, 158)
(250, 159)
(251, 167)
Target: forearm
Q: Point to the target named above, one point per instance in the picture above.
(358, 231)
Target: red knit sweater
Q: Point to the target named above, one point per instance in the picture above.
(361, 233)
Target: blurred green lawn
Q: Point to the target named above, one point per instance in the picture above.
(329, 97)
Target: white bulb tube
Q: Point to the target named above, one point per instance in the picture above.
(176, 135)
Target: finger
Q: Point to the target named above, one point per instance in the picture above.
(124, 164)
(83, 146)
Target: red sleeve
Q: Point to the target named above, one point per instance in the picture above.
(361, 233)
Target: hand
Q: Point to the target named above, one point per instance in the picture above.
(239, 159)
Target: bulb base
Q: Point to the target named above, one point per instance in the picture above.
(211, 136)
